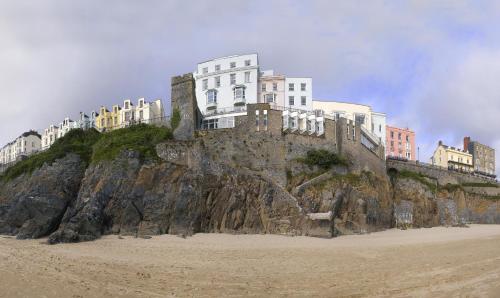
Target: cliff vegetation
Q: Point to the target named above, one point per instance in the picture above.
(93, 147)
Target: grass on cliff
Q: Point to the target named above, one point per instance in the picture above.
(75, 141)
(93, 147)
(479, 184)
(323, 159)
(141, 138)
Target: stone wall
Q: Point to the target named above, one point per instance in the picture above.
(362, 158)
(442, 175)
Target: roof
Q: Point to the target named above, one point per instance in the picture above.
(344, 102)
(31, 133)
(227, 57)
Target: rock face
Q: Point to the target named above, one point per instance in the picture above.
(189, 191)
(32, 207)
(418, 206)
(126, 196)
(357, 203)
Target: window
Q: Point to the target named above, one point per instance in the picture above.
(232, 65)
(257, 120)
(205, 84)
(212, 96)
(380, 127)
(302, 86)
(141, 115)
(392, 135)
(233, 78)
(141, 103)
(247, 62)
(265, 119)
(359, 119)
(269, 97)
(291, 100)
(115, 108)
(217, 67)
(239, 93)
(399, 136)
(247, 77)
(205, 70)
(263, 87)
(407, 138)
(303, 100)
(291, 87)
(217, 82)
(275, 86)
(115, 121)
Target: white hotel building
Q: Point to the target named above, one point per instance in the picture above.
(224, 86)
(24, 145)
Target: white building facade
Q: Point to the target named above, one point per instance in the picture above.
(144, 112)
(65, 126)
(25, 145)
(226, 83)
(224, 86)
(49, 136)
(373, 123)
(298, 93)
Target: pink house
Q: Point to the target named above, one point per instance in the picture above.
(400, 142)
(271, 89)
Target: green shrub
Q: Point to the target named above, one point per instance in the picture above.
(141, 138)
(479, 184)
(75, 141)
(323, 159)
(451, 187)
(176, 119)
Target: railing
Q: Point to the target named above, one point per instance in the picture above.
(228, 110)
(158, 121)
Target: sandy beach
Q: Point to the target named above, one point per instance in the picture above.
(437, 262)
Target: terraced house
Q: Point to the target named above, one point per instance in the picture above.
(103, 121)
(23, 146)
(65, 126)
(452, 158)
(49, 136)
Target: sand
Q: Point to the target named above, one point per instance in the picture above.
(437, 262)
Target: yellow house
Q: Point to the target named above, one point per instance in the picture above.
(452, 158)
(116, 118)
(103, 121)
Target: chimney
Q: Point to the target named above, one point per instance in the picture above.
(440, 143)
(466, 143)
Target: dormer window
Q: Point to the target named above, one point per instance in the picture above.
(232, 65)
(247, 62)
(217, 67)
(205, 70)
(127, 105)
(141, 103)
(212, 96)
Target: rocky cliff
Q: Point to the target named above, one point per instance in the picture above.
(187, 192)
(426, 204)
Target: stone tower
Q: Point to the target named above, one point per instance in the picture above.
(183, 99)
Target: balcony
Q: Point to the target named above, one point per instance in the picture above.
(211, 106)
(239, 101)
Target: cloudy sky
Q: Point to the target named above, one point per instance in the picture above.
(433, 66)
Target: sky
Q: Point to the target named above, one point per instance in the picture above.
(432, 66)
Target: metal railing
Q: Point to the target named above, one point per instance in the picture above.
(158, 121)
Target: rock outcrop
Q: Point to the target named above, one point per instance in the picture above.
(188, 191)
(417, 205)
(126, 196)
(32, 206)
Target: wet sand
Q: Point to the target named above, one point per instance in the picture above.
(437, 262)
